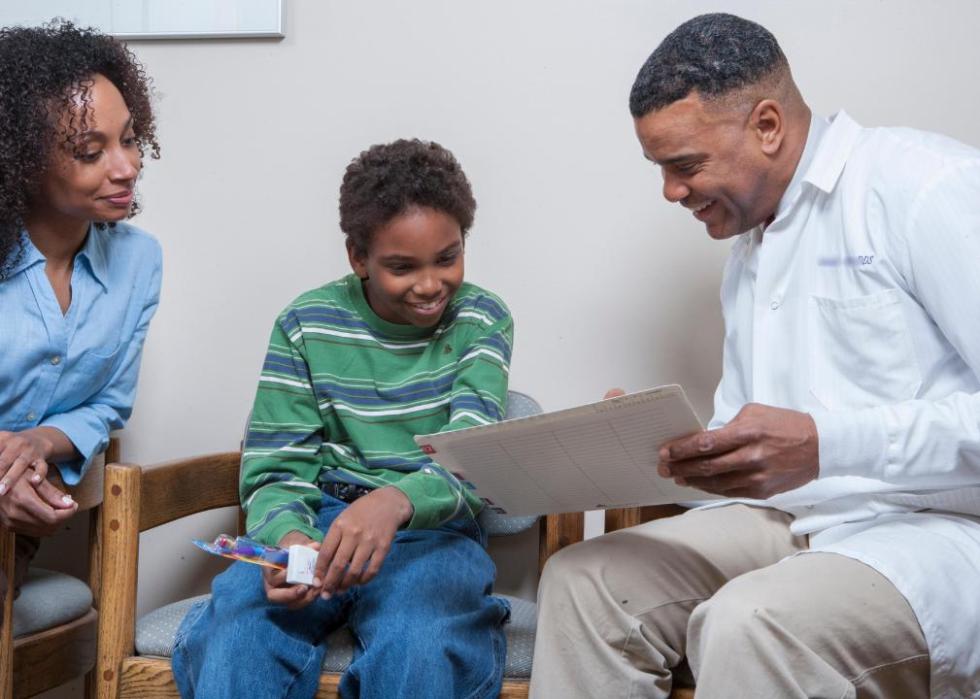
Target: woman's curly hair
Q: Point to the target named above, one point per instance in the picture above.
(41, 69)
(388, 179)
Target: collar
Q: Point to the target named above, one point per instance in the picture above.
(835, 148)
(814, 139)
(94, 253)
(26, 252)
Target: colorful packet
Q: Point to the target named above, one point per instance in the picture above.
(241, 548)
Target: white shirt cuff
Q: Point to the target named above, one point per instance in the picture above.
(851, 443)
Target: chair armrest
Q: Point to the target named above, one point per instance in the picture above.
(631, 516)
(557, 532)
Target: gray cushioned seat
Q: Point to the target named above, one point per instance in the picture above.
(155, 634)
(48, 599)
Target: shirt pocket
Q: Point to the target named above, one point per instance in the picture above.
(862, 353)
(90, 374)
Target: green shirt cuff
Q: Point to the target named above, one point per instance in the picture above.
(273, 532)
(427, 510)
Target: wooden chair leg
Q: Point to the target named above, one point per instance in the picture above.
(7, 546)
(120, 533)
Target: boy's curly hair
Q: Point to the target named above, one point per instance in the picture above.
(388, 179)
(41, 68)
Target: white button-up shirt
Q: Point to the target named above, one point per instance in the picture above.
(860, 304)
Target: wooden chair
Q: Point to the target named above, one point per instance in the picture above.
(140, 498)
(50, 648)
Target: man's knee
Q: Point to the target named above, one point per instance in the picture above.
(740, 612)
(579, 566)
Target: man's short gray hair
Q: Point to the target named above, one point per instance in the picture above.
(712, 54)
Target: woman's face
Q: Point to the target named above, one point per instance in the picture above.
(91, 176)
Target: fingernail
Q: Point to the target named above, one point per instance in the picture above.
(317, 582)
(325, 595)
(664, 455)
(36, 478)
(67, 499)
(3, 487)
(706, 444)
(663, 471)
(301, 590)
(680, 481)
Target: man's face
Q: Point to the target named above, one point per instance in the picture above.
(712, 163)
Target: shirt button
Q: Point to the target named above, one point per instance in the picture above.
(775, 304)
(31, 415)
(56, 360)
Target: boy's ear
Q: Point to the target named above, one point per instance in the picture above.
(358, 262)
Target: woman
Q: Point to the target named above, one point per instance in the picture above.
(77, 286)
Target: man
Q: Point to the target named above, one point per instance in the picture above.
(847, 420)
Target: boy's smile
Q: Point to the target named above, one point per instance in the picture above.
(413, 267)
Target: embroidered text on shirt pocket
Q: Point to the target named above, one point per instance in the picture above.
(861, 352)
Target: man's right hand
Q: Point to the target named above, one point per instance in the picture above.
(277, 590)
(35, 509)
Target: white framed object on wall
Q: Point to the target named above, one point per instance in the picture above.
(157, 19)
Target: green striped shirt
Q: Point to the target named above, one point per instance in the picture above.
(343, 392)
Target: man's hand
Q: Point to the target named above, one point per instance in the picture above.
(761, 452)
(20, 451)
(360, 538)
(277, 590)
(36, 510)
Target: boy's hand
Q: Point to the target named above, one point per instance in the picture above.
(277, 590)
(360, 538)
(35, 510)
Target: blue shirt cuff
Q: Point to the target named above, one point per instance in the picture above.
(88, 440)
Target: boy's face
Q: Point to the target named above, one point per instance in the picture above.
(413, 267)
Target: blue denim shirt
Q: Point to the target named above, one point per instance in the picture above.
(77, 372)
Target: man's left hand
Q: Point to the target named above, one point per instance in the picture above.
(761, 452)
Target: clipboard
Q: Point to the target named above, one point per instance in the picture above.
(591, 457)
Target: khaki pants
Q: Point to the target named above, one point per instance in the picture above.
(619, 612)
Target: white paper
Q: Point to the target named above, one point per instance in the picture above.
(597, 456)
(302, 563)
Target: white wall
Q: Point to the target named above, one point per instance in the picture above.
(609, 284)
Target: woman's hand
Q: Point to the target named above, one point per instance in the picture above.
(359, 539)
(36, 510)
(277, 590)
(20, 451)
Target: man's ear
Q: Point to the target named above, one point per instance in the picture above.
(358, 262)
(768, 123)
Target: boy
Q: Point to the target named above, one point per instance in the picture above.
(354, 370)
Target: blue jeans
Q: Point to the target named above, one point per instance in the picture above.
(426, 626)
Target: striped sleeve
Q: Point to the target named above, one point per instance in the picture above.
(281, 459)
(478, 397)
